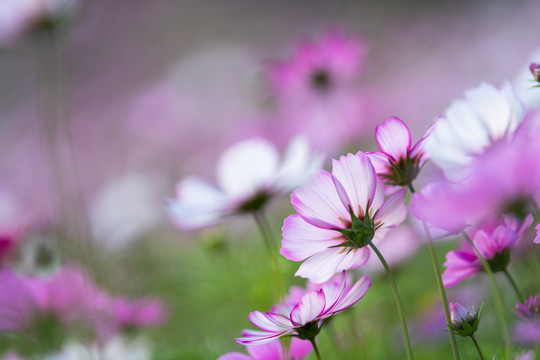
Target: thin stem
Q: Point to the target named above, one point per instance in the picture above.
(410, 186)
(477, 347)
(496, 297)
(316, 349)
(442, 292)
(398, 301)
(275, 267)
(514, 285)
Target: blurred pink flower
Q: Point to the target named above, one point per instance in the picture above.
(503, 181)
(493, 246)
(486, 116)
(318, 67)
(21, 17)
(305, 319)
(144, 312)
(527, 331)
(249, 175)
(337, 214)
(397, 163)
(298, 350)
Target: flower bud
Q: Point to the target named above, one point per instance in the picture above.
(535, 70)
(464, 321)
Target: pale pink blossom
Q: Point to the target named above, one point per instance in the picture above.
(527, 331)
(398, 163)
(337, 214)
(306, 317)
(274, 350)
(249, 175)
(143, 312)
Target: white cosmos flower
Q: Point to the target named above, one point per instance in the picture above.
(249, 174)
(470, 125)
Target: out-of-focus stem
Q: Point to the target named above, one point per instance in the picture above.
(496, 298)
(398, 301)
(442, 292)
(477, 347)
(315, 348)
(514, 285)
(266, 233)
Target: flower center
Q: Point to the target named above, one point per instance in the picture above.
(254, 203)
(360, 233)
(321, 80)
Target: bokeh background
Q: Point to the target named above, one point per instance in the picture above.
(156, 90)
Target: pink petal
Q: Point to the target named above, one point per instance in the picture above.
(309, 308)
(485, 244)
(504, 237)
(380, 161)
(352, 295)
(254, 337)
(358, 179)
(270, 351)
(318, 202)
(394, 210)
(270, 321)
(234, 356)
(323, 265)
(299, 348)
(393, 138)
(537, 237)
(302, 240)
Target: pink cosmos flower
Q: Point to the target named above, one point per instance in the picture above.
(535, 70)
(249, 175)
(273, 350)
(306, 318)
(144, 312)
(318, 67)
(504, 181)
(338, 213)
(470, 126)
(397, 163)
(493, 246)
(527, 331)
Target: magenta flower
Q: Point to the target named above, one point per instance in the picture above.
(397, 163)
(337, 215)
(464, 321)
(317, 68)
(274, 350)
(306, 318)
(493, 246)
(249, 174)
(527, 331)
(144, 312)
(535, 70)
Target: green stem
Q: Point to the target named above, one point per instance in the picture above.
(477, 347)
(398, 301)
(496, 298)
(514, 285)
(442, 292)
(316, 349)
(266, 232)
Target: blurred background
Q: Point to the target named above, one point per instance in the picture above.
(144, 93)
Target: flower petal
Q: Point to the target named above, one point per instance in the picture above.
(299, 348)
(352, 295)
(270, 351)
(302, 240)
(309, 308)
(358, 181)
(246, 167)
(323, 265)
(394, 210)
(270, 321)
(393, 138)
(318, 202)
(255, 337)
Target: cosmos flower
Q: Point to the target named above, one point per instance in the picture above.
(484, 117)
(318, 67)
(144, 312)
(489, 192)
(464, 321)
(306, 318)
(274, 350)
(21, 17)
(338, 213)
(249, 175)
(397, 163)
(535, 70)
(493, 246)
(527, 331)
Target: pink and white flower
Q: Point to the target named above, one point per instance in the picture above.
(397, 163)
(249, 175)
(493, 246)
(306, 318)
(485, 116)
(527, 331)
(338, 213)
(274, 350)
